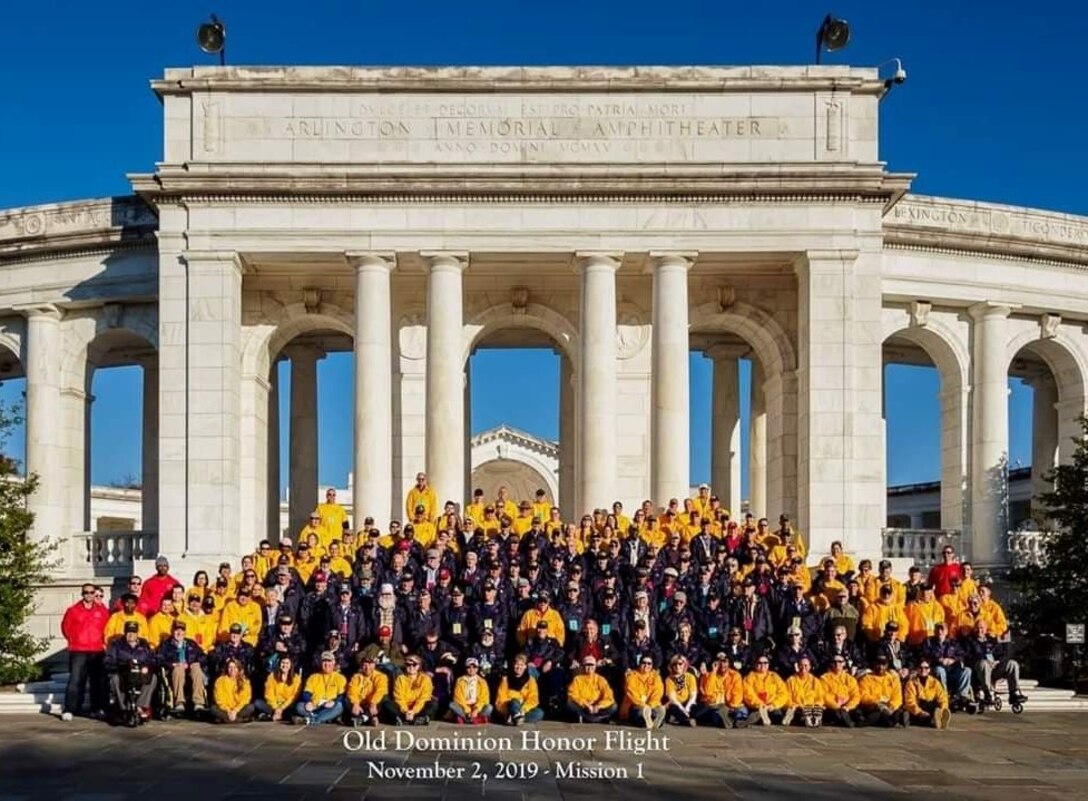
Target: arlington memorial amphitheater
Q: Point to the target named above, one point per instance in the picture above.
(622, 217)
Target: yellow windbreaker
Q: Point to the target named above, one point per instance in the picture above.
(878, 615)
(533, 616)
(282, 695)
(765, 689)
(841, 691)
(323, 687)
(726, 688)
(115, 626)
(426, 497)
(586, 689)
(922, 616)
(200, 628)
(368, 690)
(641, 689)
(886, 689)
(411, 695)
(248, 617)
(929, 689)
(159, 628)
(529, 695)
(683, 691)
(227, 695)
(805, 690)
(461, 695)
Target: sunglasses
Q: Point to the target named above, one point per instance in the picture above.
(763, 662)
(411, 664)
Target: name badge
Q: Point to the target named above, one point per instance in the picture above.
(712, 631)
(488, 623)
(572, 624)
(456, 627)
(606, 629)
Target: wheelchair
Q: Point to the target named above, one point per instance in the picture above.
(132, 681)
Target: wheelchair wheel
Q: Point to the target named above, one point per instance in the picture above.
(998, 703)
(1017, 708)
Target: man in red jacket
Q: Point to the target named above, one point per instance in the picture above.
(941, 574)
(83, 625)
(155, 588)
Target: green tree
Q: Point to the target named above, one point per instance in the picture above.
(24, 563)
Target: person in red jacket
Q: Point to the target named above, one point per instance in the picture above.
(83, 625)
(941, 574)
(156, 587)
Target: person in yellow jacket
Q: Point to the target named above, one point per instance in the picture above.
(885, 579)
(322, 698)
(475, 510)
(642, 695)
(843, 563)
(421, 493)
(504, 507)
(992, 612)
(954, 605)
(541, 611)
(281, 690)
(366, 691)
(337, 563)
(923, 615)
(681, 693)
(306, 563)
(926, 699)
(721, 696)
(842, 693)
(264, 560)
(471, 696)
(806, 696)
(232, 696)
(332, 516)
(881, 696)
(200, 627)
(244, 611)
(877, 615)
(161, 623)
(589, 698)
(115, 625)
(518, 698)
(313, 527)
(412, 702)
(765, 693)
(968, 586)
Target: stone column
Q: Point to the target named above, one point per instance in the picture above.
(44, 445)
(149, 458)
(597, 390)
(273, 477)
(467, 450)
(990, 430)
(373, 455)
(670, 415)
(445, 375)
(1044, 440)
(725, 425)
(567, 413)
(303, 460)
(757, 446)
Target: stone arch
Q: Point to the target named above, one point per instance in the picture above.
(952, 362)
(534, 315)
(266, 341)
(506, 445)
(770, 343)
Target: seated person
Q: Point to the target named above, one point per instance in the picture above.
(281, 690)
(232, 696)
(926, 700)
(412, 702)
(126, 652)
(366, 691)
(806, 696)
(642, 695)
(518, 698)
(183, 661)
(680, 693)
(471, 697)
(981, 655)
(323, 695)
(881, 696)
(589, 698)
(765, 693)
(841, 692)
(946, 659)
(721, 696)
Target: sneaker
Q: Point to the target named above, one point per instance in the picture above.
(764, 718)
(517, 719)
(300, 720)
(422, 720)
(66, 717)
(943, 718)
(1017, 698)
(647, 717)
(460, 721)
(659, 718)
(179, 710)
(480, 720)
(401, 721)
(787, 719)
(816, 719)
(692, 723)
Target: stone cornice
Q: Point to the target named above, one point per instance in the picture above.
(84, 225)
(517, 437)
(187, 80)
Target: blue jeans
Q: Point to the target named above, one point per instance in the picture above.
(321, 714)
(956, 680)
(532, 716)
(457, 712)
(576, 712)
(263, 708)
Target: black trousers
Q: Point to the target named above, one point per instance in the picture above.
(84, 667)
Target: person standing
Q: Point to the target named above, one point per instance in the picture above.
(84, 626)
(153, 590)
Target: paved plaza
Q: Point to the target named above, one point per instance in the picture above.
(1041, 755)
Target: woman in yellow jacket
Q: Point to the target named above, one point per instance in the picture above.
(841, 693)
(366, 691)
(281, 691)
(681, 693)
(926, 700)
(721, 696)
(923, 616)
(232, 696)
(471, 697)
(806, 696)
(881, 696)
(518, 698)
(642, 694)
(589, 698)
(765, 693)
(411, 703)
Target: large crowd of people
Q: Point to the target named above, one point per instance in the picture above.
(503, 612)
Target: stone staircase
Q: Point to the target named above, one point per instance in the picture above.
(48, 697)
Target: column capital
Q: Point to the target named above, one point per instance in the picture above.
(986, 310)
(830, 254)
(609, 259)
(445, 259)
(231, 257)
(40, 311)
(303, 352)
(671, 258)
(360, 260)
(727, 350)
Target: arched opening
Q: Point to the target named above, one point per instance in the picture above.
(13, 404)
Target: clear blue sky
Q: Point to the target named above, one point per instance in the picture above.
(995, 109)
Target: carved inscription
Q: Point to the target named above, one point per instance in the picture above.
(1023, 225)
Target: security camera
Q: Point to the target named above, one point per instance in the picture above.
(900, 75)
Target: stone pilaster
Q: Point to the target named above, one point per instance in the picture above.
(149, 457)
(725, 425)
(45, 453)
(567, 415)
(757, 446)
(302, 498)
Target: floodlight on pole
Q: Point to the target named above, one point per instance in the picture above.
(212, 38)
(834, 34)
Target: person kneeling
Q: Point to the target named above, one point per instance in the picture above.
(926, 699)
(366, 691)
(881, 696)
(322, 697)
(806, 696)
(589, 698)
(518, 698)
(680, 693)
(412, 703)
(765, 693)
(471, 696)
(642, 695)
(232, 696)
(841, 693)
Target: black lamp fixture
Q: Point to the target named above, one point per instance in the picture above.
(212, 38)
(834, 34)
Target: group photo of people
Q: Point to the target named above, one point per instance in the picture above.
(502, 612)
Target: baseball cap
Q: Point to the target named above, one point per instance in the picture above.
(385, 631)
(472, 662)
(131, 625)
(328, 656)
(236, 628)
